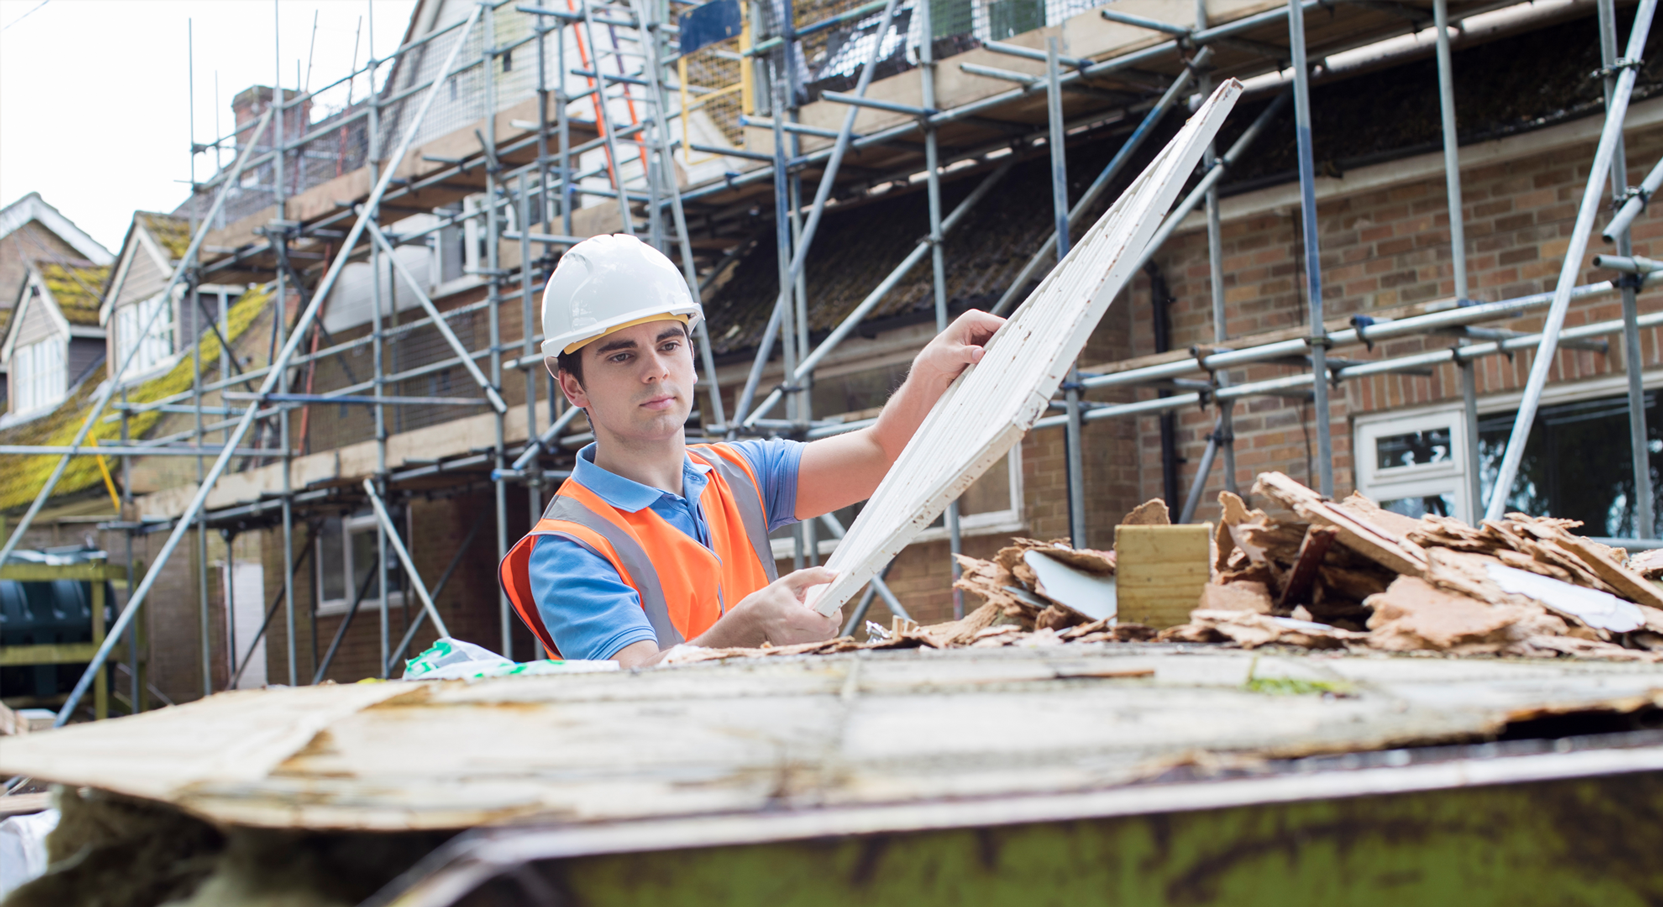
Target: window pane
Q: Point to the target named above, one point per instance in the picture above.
(1433, 504)
(1577, 463)
(332, 560)
(991, 492)
(22, 370)
(1417, 448)
(364, 562)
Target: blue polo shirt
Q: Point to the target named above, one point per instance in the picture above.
(588, 609)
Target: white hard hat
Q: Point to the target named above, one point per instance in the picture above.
(609, 282)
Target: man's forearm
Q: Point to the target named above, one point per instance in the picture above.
(731, 630)
(905, 411)
(838, 471)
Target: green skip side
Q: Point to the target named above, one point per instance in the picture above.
(1595, 842)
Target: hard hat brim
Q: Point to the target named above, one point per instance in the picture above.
(572, 341)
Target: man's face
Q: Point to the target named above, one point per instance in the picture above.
(637, 382)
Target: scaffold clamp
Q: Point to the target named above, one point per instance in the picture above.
(1615, 68)
(1639, 192)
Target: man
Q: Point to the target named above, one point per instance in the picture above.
(651, 542)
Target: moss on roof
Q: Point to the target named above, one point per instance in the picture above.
(21, 477)
(172, 232)
(77, 286)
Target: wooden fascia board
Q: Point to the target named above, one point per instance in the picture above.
(125, 262)
(19, 311)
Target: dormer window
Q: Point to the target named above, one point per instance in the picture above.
(38, 375)
(153, 347)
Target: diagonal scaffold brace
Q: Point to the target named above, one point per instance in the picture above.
(1571, 269)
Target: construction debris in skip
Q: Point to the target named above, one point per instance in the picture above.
(1308, 572)
(1355, 575)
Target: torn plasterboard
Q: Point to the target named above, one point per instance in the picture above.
(994, 403)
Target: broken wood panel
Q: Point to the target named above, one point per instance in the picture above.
(992, 404)
(1374, 543)
(1304, 572)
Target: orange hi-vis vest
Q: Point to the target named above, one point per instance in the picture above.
(684, 587)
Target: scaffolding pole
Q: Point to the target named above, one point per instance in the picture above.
(1299, 385)
(1073, 456)
(822, 192)
(1223, 434)
(1634, 362)
(1457, 246)
(1318, 340)
(938, 265)
(1615, 111)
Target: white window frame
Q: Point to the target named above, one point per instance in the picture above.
(39, 375)
(335, 607)
(156, 349)
(1444, 477)
(1451, 478)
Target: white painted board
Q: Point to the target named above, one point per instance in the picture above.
(246, 603)
(994, 403)
(1093, 596)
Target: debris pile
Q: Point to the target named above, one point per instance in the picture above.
(1054, 604)
(1305, 571)
(1316, 573)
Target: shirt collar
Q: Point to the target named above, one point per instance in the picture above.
(628, 494)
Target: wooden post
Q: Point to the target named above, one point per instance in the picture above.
(1159, 572)
(141, 658)
(100, 690)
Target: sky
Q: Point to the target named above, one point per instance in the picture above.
(96, 103)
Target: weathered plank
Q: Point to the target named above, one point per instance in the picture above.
(800, 733)
(1160, 571)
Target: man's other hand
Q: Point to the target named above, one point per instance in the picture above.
(776, 612)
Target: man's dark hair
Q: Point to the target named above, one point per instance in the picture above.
(571, 362)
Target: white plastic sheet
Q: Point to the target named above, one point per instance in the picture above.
(1597, 609)
(23, 848)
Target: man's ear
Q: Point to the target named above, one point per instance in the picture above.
(570, 386)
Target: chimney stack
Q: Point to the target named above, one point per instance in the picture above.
(250, 104)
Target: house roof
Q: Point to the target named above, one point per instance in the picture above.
(76, 286)
(21, 477)
(33, 207)
(171, 233)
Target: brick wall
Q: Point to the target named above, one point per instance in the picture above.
(1382, 250)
